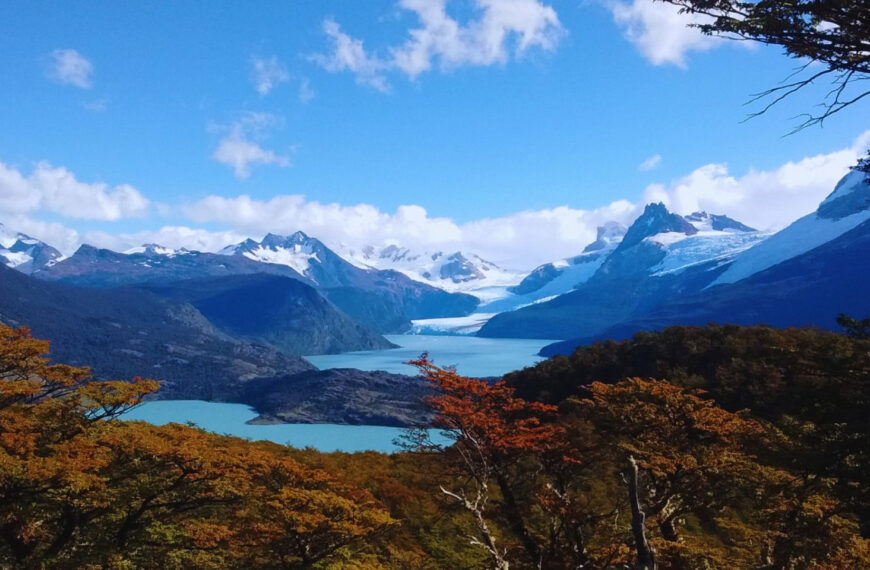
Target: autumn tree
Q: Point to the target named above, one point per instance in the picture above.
(693, 474)
(492, 433)
(813, 385)
(80, 488)
(831, 39)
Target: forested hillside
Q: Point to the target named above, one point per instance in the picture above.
(754, 455)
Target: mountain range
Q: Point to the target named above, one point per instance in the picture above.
(383, 300)
(209, 323)
(804, 275)
(456, 271)
(660, 256)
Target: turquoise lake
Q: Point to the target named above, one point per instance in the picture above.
(230, 419)
(472, 356)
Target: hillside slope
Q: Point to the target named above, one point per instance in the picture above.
(123, 333)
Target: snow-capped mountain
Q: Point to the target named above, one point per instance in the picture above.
(382, 298)
(717, 239)
(564, 275)
(845, 208)
(661, 255)
(685, 240)
(90, 266)
(153, 249)
(296, 251)
(804, 275)
(457, 271)
(24, 253)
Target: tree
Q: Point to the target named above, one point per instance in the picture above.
(80, 488)
(492, 432)
(690, 465)
(833, 33)
(854, 328)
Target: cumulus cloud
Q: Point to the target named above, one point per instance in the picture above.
(520, 240)
(69, 67)
(650, 163)
(61, 237)
(55, 189)
(501, 28)
(349, 54)
(168, 236)
(661, 32)
(268, 73)
(765, 199)
(240, 149)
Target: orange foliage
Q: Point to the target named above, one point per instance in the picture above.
(80, 488)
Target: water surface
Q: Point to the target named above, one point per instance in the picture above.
(229, 419)
(472, 356)
(479, 357)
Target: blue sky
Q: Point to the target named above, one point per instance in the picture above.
(164, 98)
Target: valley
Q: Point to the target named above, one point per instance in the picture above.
(305, 335)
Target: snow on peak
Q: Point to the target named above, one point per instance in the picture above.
(702, 221)
(278, 241)
(296, 251)
(845, 208)
(456, 271)
(655, 220)
(24, 253)
(296, 257)
(850, 196)
(8, 237)
(609, 235)
(153, 249)
(564, 275)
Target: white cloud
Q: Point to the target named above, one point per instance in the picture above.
(520, 240)
(650, 163)
(57, 235)
(661, 32)
(56, 189)
(268, 73)
(767, 199)
(501, 29)
(764, 199)
(169, 236)
(69, 67)
(348, 54)
(240, 148)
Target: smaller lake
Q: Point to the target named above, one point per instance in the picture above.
(472, 356)
(229, 419)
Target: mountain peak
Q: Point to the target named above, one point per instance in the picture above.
(610, 234)
(276, 240)
(850, 196)
(717, 222)
(24, 253)
(656, 219)
(152, 249)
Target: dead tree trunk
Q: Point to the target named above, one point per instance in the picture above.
(646, 556)
(486, 540)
